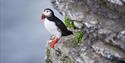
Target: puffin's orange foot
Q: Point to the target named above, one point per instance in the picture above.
(52, 44)
(54, 41)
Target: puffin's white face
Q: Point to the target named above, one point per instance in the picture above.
(47, 13)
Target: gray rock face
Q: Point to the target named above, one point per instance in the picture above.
(118, 2)
(108, 51)
(102, 21)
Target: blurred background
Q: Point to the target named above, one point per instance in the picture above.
(23, 37)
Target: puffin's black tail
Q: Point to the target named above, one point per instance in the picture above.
(66, 33)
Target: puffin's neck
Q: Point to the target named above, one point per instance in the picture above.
(52, 18)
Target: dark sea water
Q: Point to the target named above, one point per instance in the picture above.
(22, 34)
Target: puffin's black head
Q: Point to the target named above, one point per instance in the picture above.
(47, 13)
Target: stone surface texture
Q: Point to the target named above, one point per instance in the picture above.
(102, 21)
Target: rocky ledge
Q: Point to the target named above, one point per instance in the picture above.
(102, 21)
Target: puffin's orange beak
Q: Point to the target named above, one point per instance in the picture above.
(43, 17)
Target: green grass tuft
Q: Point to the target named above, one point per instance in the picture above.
(69, 23)
(78, 37)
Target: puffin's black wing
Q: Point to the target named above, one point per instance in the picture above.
(61, 26)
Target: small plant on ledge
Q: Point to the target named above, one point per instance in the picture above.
(78, 37)
(69, 23)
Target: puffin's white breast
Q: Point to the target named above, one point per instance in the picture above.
(52, 28)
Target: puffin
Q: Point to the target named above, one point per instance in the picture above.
(54, 26)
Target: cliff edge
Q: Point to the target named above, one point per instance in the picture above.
(103, 25)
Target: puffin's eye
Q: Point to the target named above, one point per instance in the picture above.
(47, 11)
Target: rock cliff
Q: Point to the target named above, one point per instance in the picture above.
(103, 24)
